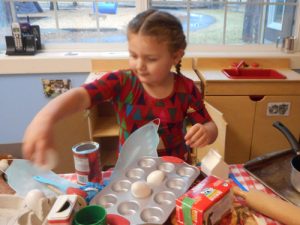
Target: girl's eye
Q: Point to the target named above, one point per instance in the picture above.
(151, 59)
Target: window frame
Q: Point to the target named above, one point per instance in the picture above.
(144, 4)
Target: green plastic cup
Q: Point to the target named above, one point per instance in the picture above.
(90, 215)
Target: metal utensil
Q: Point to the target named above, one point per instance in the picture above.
(295, 162)
(287, 43)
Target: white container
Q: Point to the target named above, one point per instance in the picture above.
(213, 164)
(62, 211)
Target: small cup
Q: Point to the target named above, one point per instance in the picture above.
(90, 215)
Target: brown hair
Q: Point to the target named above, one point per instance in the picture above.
(161, 25)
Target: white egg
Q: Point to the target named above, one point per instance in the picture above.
(32, 198)
(155, 178)
(140, 189)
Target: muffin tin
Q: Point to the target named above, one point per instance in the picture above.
(157, 207)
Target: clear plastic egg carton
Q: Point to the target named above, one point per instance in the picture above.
(157, 207)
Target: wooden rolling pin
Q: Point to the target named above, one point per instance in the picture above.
(273, 207)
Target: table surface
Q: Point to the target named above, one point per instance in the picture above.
(237, 170)
(250, 182)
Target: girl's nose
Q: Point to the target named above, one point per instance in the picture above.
(140, 64)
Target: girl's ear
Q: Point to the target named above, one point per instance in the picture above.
(178, 56)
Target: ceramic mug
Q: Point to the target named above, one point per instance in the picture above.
(90, 215)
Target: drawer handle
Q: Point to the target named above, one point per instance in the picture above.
(256, 98)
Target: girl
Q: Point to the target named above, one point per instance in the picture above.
(146, 91)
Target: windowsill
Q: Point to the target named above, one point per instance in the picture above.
(52, 62)
(74, 62)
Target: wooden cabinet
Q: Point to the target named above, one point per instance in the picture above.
(267, 138)
(247, 107)
(250, 131)
(105, 130)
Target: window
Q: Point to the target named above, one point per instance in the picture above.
(275, 15)
(233, 22)
(77, 21)
(94, 23)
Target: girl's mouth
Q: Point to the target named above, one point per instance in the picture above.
(143, 74)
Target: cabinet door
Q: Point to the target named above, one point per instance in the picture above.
(239, 114)
(267, 138)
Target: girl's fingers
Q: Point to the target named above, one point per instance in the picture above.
(200, 142)
(190, 133)
(40, 152)
(28, 149)
(197, 137)
(238, 191)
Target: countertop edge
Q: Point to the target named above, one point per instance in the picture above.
(58, 62)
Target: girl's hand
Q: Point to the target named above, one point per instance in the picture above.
(197, 136)
(200, 135)
(38, 141)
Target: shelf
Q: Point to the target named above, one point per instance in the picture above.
(106, 127)
(109, 150)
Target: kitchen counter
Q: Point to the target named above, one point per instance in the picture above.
(217, 75)
(297, 71)
(99, 66)
(216, 82)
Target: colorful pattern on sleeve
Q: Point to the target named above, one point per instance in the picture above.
(134, 107)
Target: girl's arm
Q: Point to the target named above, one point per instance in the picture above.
(200, 135)
(38, 137)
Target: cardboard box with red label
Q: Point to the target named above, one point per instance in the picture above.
(206, 203)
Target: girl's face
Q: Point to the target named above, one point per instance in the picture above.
(151, 60)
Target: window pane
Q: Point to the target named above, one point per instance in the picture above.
(5, 21)
(78, 21)
(90, 23)
(246, 21)
(243, 23)
(279, 10)
(207, 23)
(38, 13)
(280, 20)
(176, 8)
